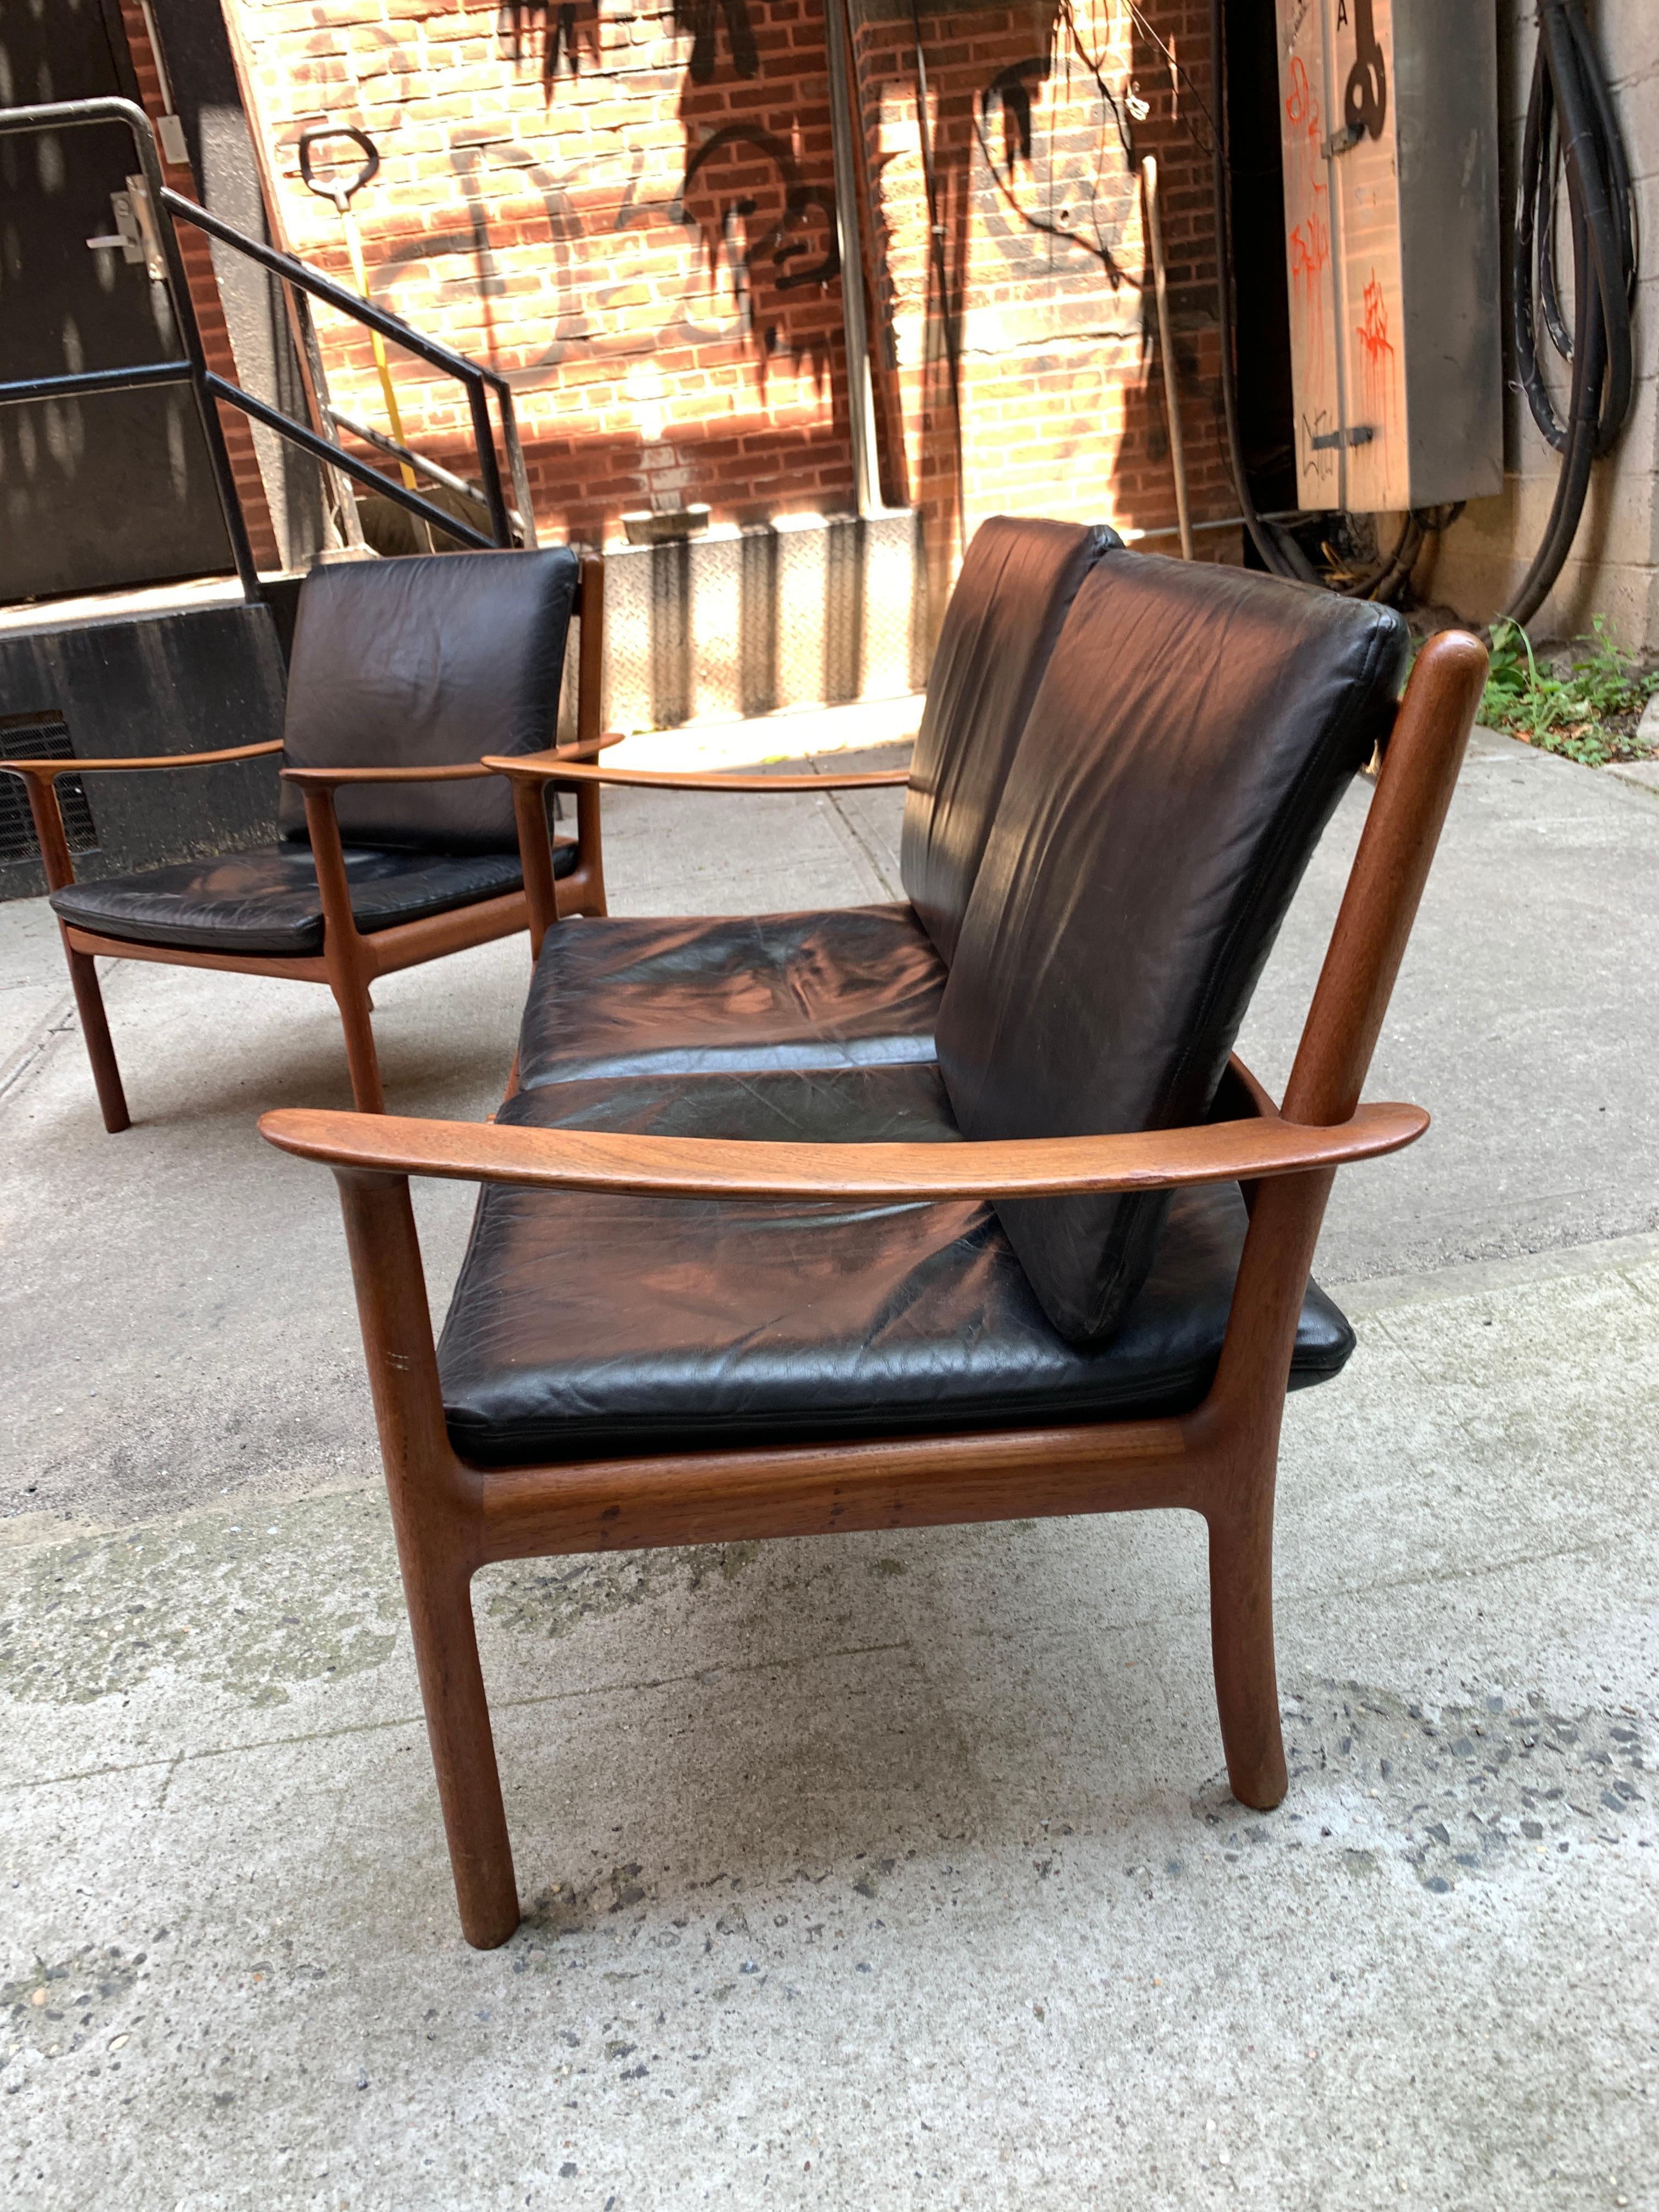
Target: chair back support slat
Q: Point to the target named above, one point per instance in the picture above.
(1195, 729)
(1017, 584)
(424, 662)
(1421, 763)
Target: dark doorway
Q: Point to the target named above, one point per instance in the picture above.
(1267, 418)
(115, 489)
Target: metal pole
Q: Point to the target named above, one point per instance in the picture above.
(489, 467)
(1172, 389)
(860, 406)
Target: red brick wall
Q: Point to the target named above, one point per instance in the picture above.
(1022, 373)
(649, 250)
(209, 314)
(638, 226)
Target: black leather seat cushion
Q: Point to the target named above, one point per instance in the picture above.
(593, 1325)
(422, 662)
(1196, 729)
(1019, 580)
(266, 902)
(854, 985)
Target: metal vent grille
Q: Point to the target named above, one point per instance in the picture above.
(40, 737)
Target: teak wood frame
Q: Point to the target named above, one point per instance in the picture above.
(1219, 1461)
(351, 959)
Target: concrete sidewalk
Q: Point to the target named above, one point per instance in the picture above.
(897, 1869)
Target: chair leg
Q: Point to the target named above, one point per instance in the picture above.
(1242, 1645)
(356, 1011)
(94, 1028)
(440, 1600)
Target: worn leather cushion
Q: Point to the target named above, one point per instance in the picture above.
(853, 986)
(1017, 582)
(1195, 729)
(422, 663)
(266, 901)
(587, 1324)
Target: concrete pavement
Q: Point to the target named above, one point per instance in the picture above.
(893, 1869)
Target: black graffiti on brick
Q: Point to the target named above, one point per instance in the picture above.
(697, 17)
(806, 207)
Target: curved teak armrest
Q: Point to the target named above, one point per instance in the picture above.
(49, 770)
(555, 767)
(326, 778)
(704, 1167)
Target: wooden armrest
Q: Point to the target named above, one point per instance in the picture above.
(701, 1166)
(582, 749)
(49, 770)
(325, 779)
(560, 768)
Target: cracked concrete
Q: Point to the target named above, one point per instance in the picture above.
(894, 1870)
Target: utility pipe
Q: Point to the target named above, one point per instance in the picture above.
(1172, 389)
(860, 406)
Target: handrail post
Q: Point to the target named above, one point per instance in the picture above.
(489, 466)
(521, 475)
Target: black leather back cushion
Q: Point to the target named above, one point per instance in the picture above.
(1196, 726)
(1016, 585)
(419, 663)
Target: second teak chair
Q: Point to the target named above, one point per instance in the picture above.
(395, 845)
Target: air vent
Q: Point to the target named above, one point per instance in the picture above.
(40, 737)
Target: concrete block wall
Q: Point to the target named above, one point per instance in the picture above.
(1615, 567)
(744, 623)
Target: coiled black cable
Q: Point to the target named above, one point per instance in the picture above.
(1572, 135)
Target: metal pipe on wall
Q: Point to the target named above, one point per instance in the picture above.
(860, 406)
(1166, 351)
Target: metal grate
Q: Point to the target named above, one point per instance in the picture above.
(44, 736)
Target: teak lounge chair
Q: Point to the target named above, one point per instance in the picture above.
(1061, 1269)
(395, 845)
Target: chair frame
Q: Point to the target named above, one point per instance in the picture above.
(1219, 1460)
(351, 959)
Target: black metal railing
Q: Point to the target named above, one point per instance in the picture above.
(508, 525)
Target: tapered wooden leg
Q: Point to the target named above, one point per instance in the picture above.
(356, 1011)
(1242, 1643)
(435, 1515)
(94, 1028)
(463, 1751)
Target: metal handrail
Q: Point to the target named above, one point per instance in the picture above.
(209, 387)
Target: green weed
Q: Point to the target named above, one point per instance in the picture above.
(1587, 710)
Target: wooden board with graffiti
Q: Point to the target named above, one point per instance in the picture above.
(1388, 123)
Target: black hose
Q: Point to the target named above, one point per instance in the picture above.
(1572, 134)
(1280, 552)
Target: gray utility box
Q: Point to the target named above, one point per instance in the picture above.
(1388, 120)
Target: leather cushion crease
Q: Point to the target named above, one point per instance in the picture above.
(615, 996)
(266, 901)
(1019, 580)
(426, 662)
(861, 985)
(1189, 742)
(593, 1325)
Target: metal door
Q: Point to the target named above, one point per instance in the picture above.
(111, 489)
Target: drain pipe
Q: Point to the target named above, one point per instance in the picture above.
(1172, 389)
(860, 403)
